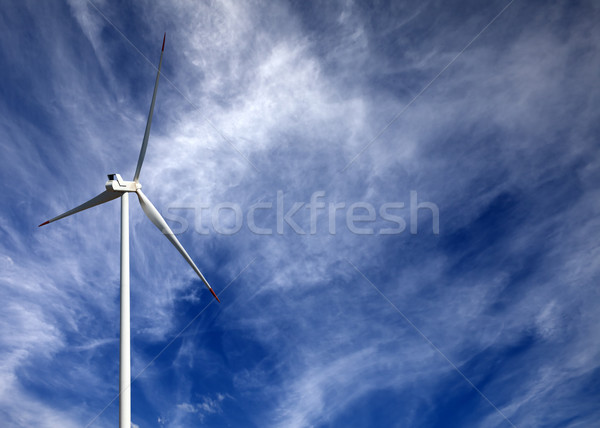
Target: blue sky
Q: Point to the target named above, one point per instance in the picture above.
(492, 322)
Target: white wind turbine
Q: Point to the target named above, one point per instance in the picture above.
(117, 187)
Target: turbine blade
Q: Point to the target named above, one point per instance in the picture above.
(149, 123)
(162, 225)
(100, 199)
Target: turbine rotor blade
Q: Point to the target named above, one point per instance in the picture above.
(100, 199)
(155, 217)
(149, 122)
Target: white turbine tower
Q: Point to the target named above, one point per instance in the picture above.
(117, 187)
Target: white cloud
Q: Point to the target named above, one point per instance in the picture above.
(207, 405)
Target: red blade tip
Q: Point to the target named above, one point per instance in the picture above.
(44, 223)
(213, 293)
(164, 38)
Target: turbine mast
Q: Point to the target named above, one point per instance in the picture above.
(125, 329)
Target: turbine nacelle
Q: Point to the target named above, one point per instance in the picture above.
(116, 183)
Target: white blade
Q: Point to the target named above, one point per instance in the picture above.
(149, 123)
(162, 225)
(100, 199)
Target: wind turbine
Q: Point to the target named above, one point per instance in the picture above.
(116, 187)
